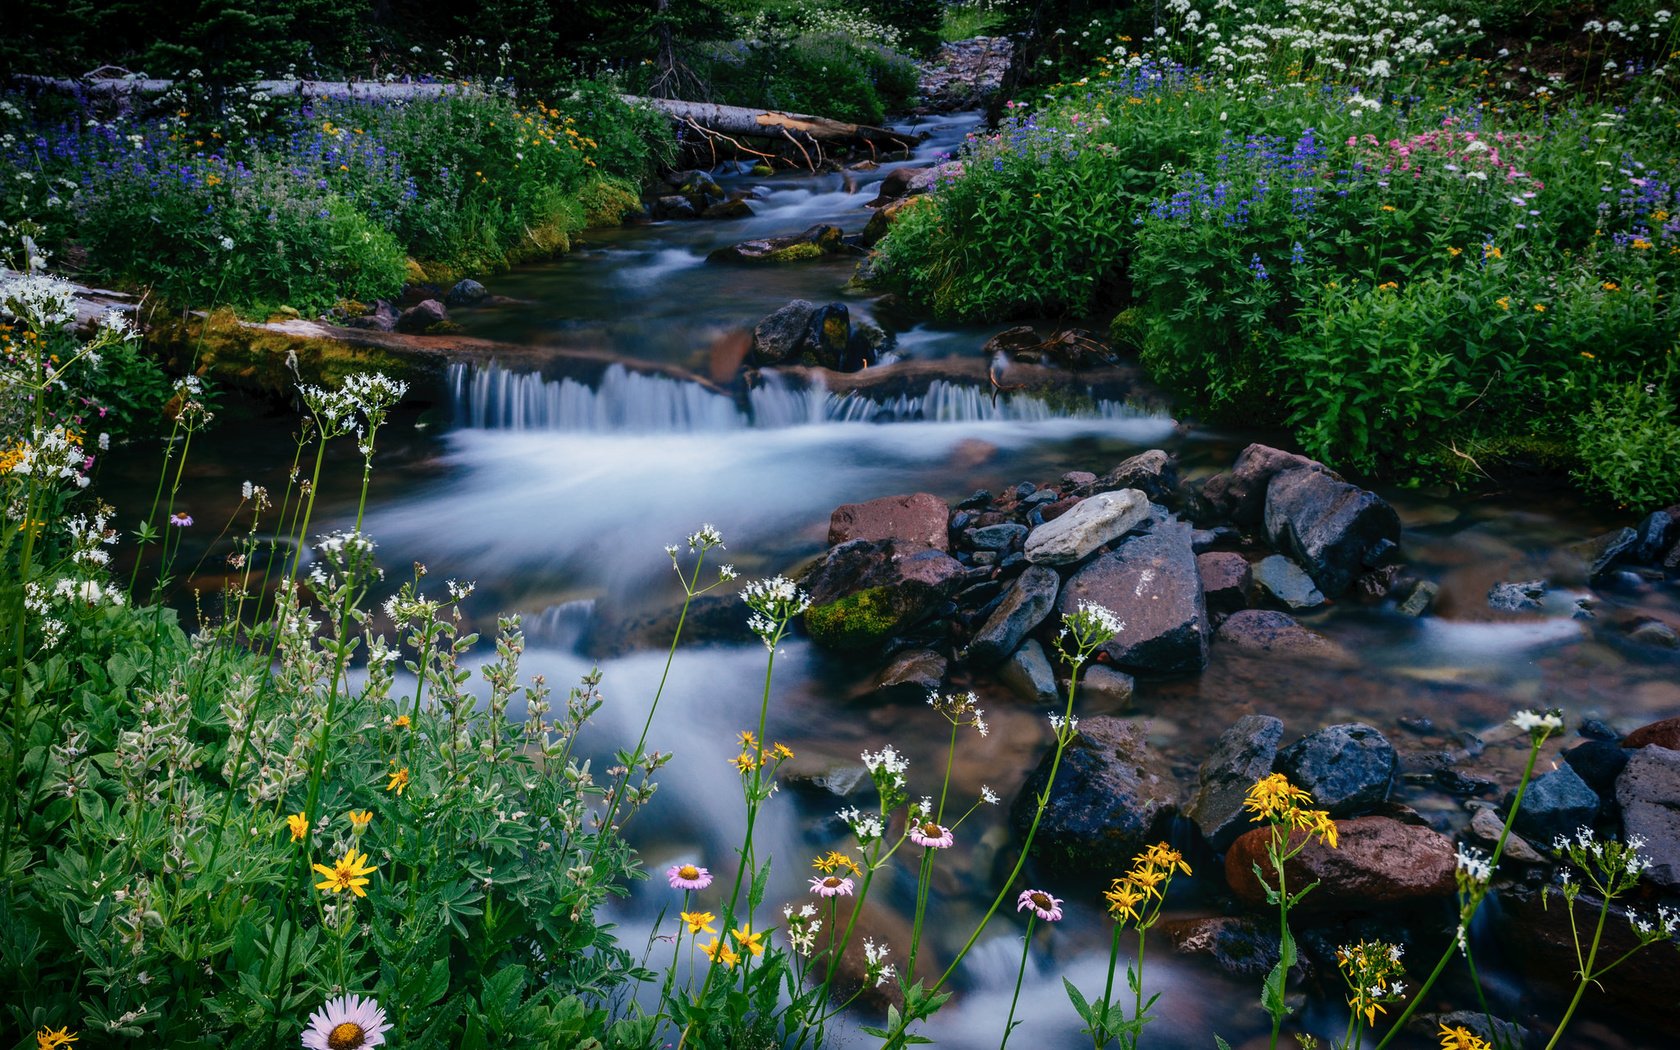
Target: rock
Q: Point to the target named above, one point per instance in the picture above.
(1332, 529)
(1539, 935)
(883, 219)
(1238, 944)
(804, 333)
(1378, 861)
(978, 501)
(865, 592)
(868, 618)
(1070, 348)
(421, 318)
(1149, 580)
(1598, 763)
(1655, 533)
(917, 672)
(1113, 797)
(1665, 733)
(1556, 803)
(779, 337)
(1648, 630)
(1075, 478)
(1240, 493)
(1486, 825)
(1516, 597)
(1104, 685)
(1226, 578)
(1287, 583)
(1492, 1030)
(1270, 631)
(383, 318)
(1029, 674)
(916, 519)
(674, 206)
(1346, 768)
(737, 208)
(1603, 553)
(1075, 535)
(467, 292)
(999, 537)
(813, 243)
(1648, 791)
(1416, 599)
(1243, 754)
(694, 182)
(1154, 473)
(1023, 607)
(1597, 729)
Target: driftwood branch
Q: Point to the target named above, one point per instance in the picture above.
(744, 121)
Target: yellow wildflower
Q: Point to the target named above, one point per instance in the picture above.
(1455, 252)
(1123, 899)
(719, 952)
(1458, 1037)
(359, 820)
(836, 861)
(1273, 797)
(1539, 308)
(348, 874)
(1611, 286)
(47, 1039)
(299, 825)
(399, 780)
(699, 922)
(1503, 302)
(748, 940)
(400, 722)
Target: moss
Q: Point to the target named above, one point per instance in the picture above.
(762, 170)
(606, 202)
(1126, 331)
(857, 621)
(254, 357)
(795, 253)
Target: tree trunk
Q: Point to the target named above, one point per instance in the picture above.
(800, 128)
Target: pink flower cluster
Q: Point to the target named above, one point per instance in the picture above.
(1466, 154)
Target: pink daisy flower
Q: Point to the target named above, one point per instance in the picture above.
(831, 886)
(1042, 904)
(931, 835)
(349, 1022)
(688, 877)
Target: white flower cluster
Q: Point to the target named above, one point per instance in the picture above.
(802, 927)
(866, 827)
(1473, 866)
(705, 538)
(887, 762)
(88, 535)
(773, 602)
(960, 709)
(1538, 725)
(52, 455)
(37, 300)
(876, 967)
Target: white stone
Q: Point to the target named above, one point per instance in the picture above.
(1093, 522)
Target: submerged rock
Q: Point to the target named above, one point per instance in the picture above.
(422, 317)
(1332, 529)
(803, 332)
(813, 243)
(1287, 583)
(1240, 493)
(1076, 534)
(1104, 685)
(916, 672)
(1243, 754)
(467, 292)
(1516, 597)
(1113, 796)
(1270, 631)
(1150, 581)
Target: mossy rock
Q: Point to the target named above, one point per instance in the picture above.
(863, 620)
(1126, 331)
(795, 253)
(762, 170)
(606, 202)
(251, 356)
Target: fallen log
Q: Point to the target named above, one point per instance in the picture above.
(802, 129)
(130, 89)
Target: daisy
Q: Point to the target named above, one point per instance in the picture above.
(831, 886)
(359, 819)
(47, 1039)
(299, 825)
(346, 1023)
(699, 922)
(931, 835)
(348, 874)
(688, 877)
(1042, 904)
(180, 520)
(399, 780)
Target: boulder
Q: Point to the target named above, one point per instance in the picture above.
(916, 519)
(1648, 791)
(1346, 768)
(813, 243)
(1604, 553)
(1286, 583)
(1243, 754)
(1665, 733)
(674, 206)
(1226, 578)
(1076, 534)
(423, 317)
(883, 219)
(1154, 473)
(804, 333)
(869, 618)
(382, 318)
(1524, 596)
(779, 337)
(1378, 861)
(1103, 685)
(1416, 598)
(1648, 630)
(1270, 631)
(860, 564)
(1654, 535)
(1029, 674)
(736, 208)
(1240, 493)
(1023, 607)
(1486, 825)
(1000, 537)
(1555, 803)
(467, 292)
(912, 673)
(1599, 763)
(1149, 580)
(1112, 798)
(1236, 943)
(1539, 934)
(1332, 529)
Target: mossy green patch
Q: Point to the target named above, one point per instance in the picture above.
(858, 621)
(795, 253)
(258, 358)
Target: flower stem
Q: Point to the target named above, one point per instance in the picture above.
(1021, 972)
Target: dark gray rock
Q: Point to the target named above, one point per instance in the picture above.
(674, 206)
(1659, 529)
(1113, 796)
(804, 333)
(1240, 493)
(1346, 768)
(978, 501)
(1517, 597)
(1604, 553)
(1238, 944)
(1286, 583)
(1416, 599)
(383, 318)
(1599, 763)
(999, 537)
(1244, 753)
(730, 209)
(1150, 581)
(916, 672)
(1334, 530)
(861, 564)
(1154, 473)
(1024, 607)
(1556, 803)
(1651, 631)
(1029, 674)
(467, 292)
(1226, 579)
(1649, 793)
(1101, 684)
(420, 318)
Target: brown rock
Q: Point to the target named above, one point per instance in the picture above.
(1665, 733)
(919, 518)
(1270, 631)
(1240, 493)
(1239, 944)
(1226, 579)
(1378, 861)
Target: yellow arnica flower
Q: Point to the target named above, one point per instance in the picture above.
(399, 780)
(1123, 899)
(299, 825)
(1166, 858)
(836, 861)
(47, 1039)
(1274, 798)
(359, 820)
(1458, 1037)
(399, 722)
(748, 940)
(1147, 879)
(1539, 308)
(348, 874)
(699, 922)
(719, 952)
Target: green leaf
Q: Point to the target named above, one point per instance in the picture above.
(1080, 1006)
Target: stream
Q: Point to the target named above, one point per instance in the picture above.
(558, 498)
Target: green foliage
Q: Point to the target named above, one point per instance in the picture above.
(1628, 443)
(809, 71)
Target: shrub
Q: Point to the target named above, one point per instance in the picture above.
(1629, 445)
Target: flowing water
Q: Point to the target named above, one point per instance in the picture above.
(558, 497)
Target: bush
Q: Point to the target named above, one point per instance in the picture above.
(1629, 445)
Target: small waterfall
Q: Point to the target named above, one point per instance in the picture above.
(493, 398)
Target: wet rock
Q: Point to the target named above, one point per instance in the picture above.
(422, 317)
(1154, 473)
(694, 183)
(1665, 733)
(999, 537)
(1024, 607)
(883, 219)
(1104, 685)
(1517, 597)
(1205, 540)
(865, 592)
(1240, 493)
(962, 74)
(1243, 754)
(813, 243)
(1538, 936)
(1486, 825)
(736, 208)
(1077, 534)
(382, 318)
(1286, 583)
(1029, 674)
(1378, 861)
(869, 618)
(1650, 631)
(1556, 803)
(1075, 478)
(917, 518)
(1347, 768)
(1332, 529)
(1416, 599)
(1659, 529)
(913, 673)
(1270, 631)
(1599, 763)
(1113, 796)
(1226, 578)
(467, 292)
(1237, 944)
(1493, 1030)
(1604, 553)
(674, 206)
(978, 501)
(803, 332)
(1149, 580)
(1648, 791)
(1597, 729)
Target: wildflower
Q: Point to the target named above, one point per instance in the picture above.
(348, 874)
(1611, 286)
(1457, 1037)
(399, 780)
(1455, 252)
(988, 796)
(346, 1023)
(1503, 302)
(688, 877)
(1388, 286)
(1473, 865)
(699, 922)
(1539, 308)
(719, 952)
(875, 963)
(359, 820)
(1042, 904)
(1123, 899)
(299, 825)
(1536, 724)
(835, 861)
(831, 886)
(748, 940)
(180, 520)
(1165, 858)
(400, 722)
(1274, 796)
(931, 835)
(47, 1039)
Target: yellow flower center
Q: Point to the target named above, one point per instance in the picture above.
(688, 871)
(1041, 901)
(346, 1036)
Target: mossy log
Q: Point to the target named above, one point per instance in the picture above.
(802, 129)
